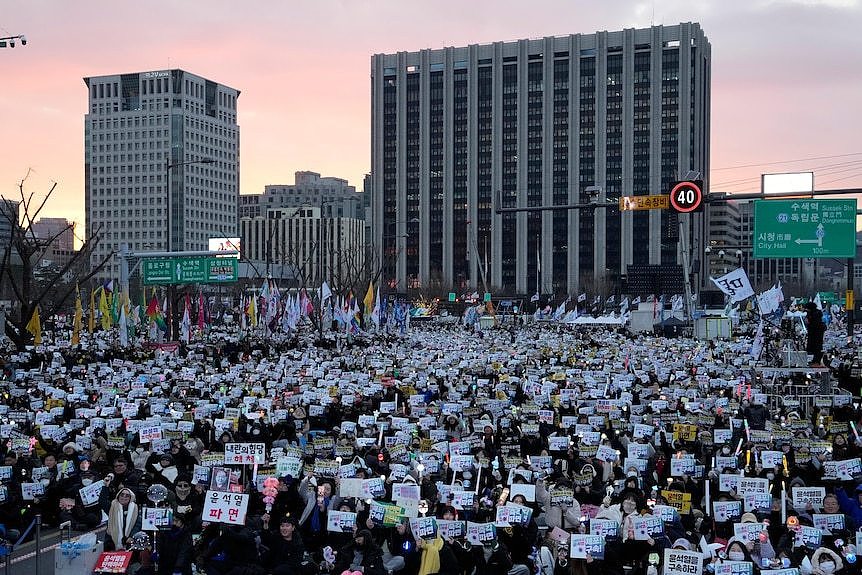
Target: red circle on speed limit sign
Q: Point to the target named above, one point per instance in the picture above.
(686, 197)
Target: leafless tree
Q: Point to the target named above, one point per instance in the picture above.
(30, 284)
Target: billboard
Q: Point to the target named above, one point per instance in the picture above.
(225, 245)
(790, 182)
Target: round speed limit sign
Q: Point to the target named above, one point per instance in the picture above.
(686, 197)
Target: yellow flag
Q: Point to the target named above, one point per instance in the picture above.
(34, 326)
(369, 299)
(252, 312)
(79, 314)
(104, 310)
(91, 315)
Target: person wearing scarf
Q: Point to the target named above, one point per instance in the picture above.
(123, 520)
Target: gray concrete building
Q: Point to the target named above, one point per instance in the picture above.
(145, 136)
(337, 197)
(544, 122)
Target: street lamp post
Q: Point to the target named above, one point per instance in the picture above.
(9, 41)
(173, 327)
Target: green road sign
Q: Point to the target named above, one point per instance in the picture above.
(189, 270)
(487, 296)
(804, 228)
(451, 296)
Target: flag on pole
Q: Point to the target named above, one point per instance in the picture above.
(154, 313)
(34, 326)
(735, 285)
(91, 313)
(123, 325)
(375, 314)
(368, 302)
(114, 303)
(186, 324)
(201, 323)
(252, 312)
(104, 310)
(325, 292)
(535, 298)
(79, 315)
(582, 298)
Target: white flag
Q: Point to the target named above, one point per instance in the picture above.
(325, 292)
(582, 298)
(735, 284)
(757, 344)
(534, 298)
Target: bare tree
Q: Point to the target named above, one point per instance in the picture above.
(32, 285)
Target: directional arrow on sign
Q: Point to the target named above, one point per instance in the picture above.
(819, 241)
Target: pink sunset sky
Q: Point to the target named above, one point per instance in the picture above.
(786, 76)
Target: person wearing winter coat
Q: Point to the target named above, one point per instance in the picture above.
(123, 520)
(361, 552)
(825, 561)
(557, 515)
(285, 549)
(175, 548)
(851, 506)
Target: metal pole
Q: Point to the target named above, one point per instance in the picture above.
(170, 247)
(38, 543)
(850, 305)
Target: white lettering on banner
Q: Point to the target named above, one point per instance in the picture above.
(802, 496)
(587, 545)
(678, 562)
(748, 485)
(244, 453)
(221, 507)
(340, 521)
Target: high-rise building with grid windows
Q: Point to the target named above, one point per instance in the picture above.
(145, 131)
(545, 122)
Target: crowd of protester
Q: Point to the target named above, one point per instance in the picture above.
(542, 449)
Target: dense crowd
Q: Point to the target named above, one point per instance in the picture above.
(541, 449)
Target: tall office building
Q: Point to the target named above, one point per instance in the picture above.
(151, 136)
(552, 121)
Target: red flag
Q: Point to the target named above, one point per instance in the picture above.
(201, 324)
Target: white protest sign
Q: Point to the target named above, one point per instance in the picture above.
(802, 496)
(340, 521)
(155, 518)
(244, 453)
(90, 493)
(678, 562)
(224, 507)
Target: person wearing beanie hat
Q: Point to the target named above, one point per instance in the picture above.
(748, 518)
